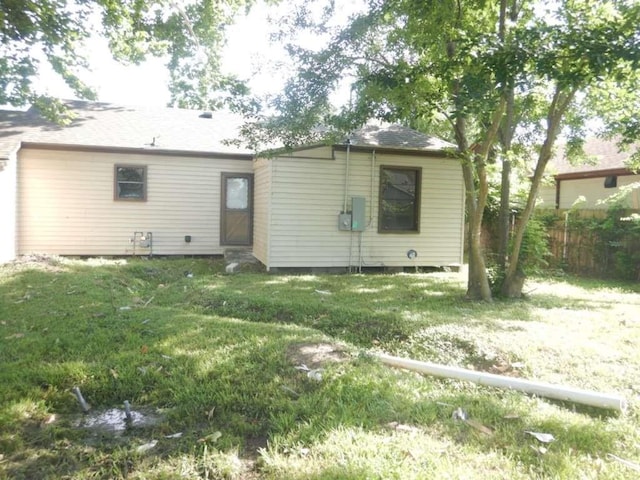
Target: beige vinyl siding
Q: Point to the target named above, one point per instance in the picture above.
(8, 209)
(307, 196)
(321, 152)
(261, 209)
(592, 189)
(547, 195)
(66, 203)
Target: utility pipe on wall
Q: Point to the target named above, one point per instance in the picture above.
(565, 236)
(373, 174)
(346, 178)
(361, 233)
(541, 389)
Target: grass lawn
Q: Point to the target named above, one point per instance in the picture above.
(209, 360)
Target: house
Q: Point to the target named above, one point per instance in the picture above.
(128, 181)
(602, 175)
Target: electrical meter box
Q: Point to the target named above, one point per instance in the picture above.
(344, 221)
(358, 217)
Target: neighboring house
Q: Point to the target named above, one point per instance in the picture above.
(126, 181)
(8, 193)
(596, 180)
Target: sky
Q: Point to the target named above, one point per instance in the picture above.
(147, 84)
(249, 54)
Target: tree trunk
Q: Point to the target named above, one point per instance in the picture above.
(514, 276)
(506, 136)
(507, 130)
(504, 215)
(474, 170)
(477, 281)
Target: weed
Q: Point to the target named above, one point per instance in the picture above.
(210, 355)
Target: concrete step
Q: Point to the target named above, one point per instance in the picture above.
(240, 256)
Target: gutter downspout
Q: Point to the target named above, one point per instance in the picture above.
(547, 390)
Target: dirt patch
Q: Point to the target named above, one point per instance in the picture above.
(56, 263)
(47, 263)
(250, 457)
(503, 367)
(316, 355)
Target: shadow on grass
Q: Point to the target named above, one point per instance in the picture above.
(213, 359)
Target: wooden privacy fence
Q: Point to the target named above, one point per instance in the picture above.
(582, 243)
(584, 247)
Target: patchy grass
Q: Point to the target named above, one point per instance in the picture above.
(213, 357)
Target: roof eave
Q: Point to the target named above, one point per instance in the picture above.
(593, 174)
(138, 151)
(441, 152)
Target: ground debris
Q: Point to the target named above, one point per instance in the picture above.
(214, 437)
(147, 446)
(539, 449)
(479, 426)
(541, 437)
(313, 374)
(290, 390)
(461, 415)
(400, 427)
(14, 336)
(631, 465)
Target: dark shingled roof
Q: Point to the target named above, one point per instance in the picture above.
(145, 128)
(397, 136)
(603, 155)
(169, 129)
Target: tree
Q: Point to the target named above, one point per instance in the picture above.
(55, 31)
(589, 45)
(467, 64)
(427, 62)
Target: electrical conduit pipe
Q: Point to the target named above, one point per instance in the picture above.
(541, 389)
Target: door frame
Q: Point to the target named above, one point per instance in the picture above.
(223, 209)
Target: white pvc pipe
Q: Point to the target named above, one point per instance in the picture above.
(83, 403)
(541, 389)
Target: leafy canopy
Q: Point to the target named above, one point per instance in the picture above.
(189, 34)
(476, 69)
(401, 58)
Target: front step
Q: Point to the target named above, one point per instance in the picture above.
(239, 255)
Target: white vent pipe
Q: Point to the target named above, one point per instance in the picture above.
(541, 389)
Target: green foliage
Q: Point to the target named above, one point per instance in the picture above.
(612, 241)
(619, 238)
(55, 31)
(535, 247)
(213, 356)
(394, 60)
(462, 69)
(404, 59)
(619, 234)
